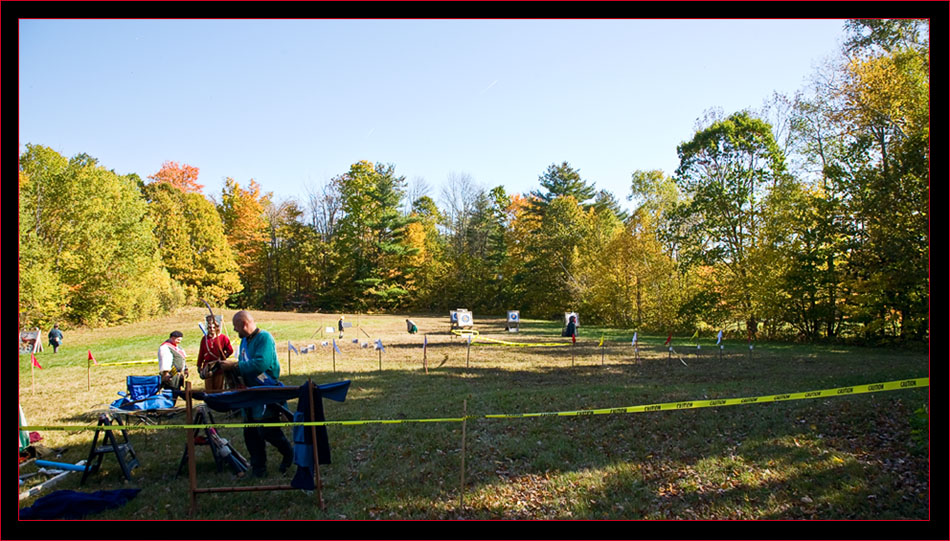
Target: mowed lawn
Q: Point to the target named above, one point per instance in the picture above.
(852, 457)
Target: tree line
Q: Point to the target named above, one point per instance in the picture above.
(807, 218)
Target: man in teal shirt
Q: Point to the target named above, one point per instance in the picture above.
(257, 363)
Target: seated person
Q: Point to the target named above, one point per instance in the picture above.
(171, 362)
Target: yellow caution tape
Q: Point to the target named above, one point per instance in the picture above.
(128, 362)
(694, 404)
(689, 404)
(482, 340)
(460, 332)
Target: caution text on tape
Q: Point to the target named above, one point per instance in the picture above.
(666, 406)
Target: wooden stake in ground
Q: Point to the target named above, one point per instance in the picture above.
(379, 346)
(573, 343)
(317, 482)
(603, 349)
(468, 352)
(335, 349)
(33, 364)
(425, 345)
(190, 447)
(462, 485)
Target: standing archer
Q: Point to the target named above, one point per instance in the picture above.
(215, 347)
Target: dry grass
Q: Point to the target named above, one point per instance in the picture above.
(845, 458)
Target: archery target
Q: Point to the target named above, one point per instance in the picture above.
(465, 319)
(567, 318)
(513, 316)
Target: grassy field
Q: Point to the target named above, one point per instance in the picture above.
(854, 457)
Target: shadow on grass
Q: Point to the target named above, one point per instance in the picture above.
(616, 466)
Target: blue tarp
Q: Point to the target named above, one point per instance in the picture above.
(71, 504)
(265, 394)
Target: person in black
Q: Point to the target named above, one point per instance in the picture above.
(571, 328)
(55, 337)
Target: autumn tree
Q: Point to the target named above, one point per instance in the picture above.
(183, 177)
(192, 242)
(429, 287)
(243, 218)
(87, 250)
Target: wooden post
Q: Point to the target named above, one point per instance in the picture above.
(288, 359)
(380, 360)
(334, 358)
(33, 364)
(603, 350)
(190, 445)
(316, 455)
(573, 343)
(88, 385)
(425, 361)
(462, 485)
(468, 351)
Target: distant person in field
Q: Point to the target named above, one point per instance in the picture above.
(411, 327)
(339, 325)
(215, 347)
(571, 328)
(171, 362)
(55, 337)
(257, 364)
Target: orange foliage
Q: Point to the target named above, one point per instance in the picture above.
(183, 177)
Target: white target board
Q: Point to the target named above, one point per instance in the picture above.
(465, 319)
(514, 321)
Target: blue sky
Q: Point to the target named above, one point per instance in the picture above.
(292, 103)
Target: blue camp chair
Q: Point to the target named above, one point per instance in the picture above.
(144, 393)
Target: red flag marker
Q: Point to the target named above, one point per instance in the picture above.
(668, 338)
(91, 358)
(36, 364)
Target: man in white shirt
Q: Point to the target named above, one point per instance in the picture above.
(171, 362)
